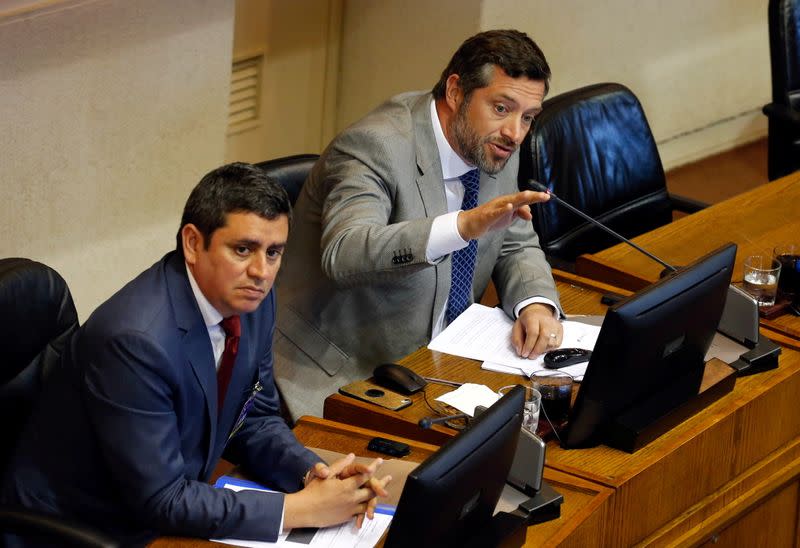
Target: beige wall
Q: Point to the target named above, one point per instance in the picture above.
(701, 69)
(392, 46)
(299, 40)
(111, 111)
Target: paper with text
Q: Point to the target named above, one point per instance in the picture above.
(484, 333)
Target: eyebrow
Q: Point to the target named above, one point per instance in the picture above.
(508, 98)
(257, 243)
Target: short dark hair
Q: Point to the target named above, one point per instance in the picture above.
(511, 50)
(232, 188)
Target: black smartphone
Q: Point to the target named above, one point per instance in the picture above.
(389, 447)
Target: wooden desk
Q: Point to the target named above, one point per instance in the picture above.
(756, 221)
(579, 513)
(731, 472)
(578, 296)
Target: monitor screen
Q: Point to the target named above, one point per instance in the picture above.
(650, 355)
(451, 496)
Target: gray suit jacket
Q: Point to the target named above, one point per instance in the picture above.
(355, 289)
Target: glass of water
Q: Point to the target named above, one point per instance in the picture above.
(761, 273)
(533, 399)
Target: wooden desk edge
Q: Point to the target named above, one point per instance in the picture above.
(589, 283)
(342, 428)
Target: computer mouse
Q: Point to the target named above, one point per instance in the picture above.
(398, 378)
(562, 357)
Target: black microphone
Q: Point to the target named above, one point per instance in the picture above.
(739, 316)
(536, 185)
(427, 422)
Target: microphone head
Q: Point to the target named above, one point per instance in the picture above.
(425, 423)
(538, 187)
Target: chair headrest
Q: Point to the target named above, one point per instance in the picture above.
(290, 171)
(36, 307)
(593, 148)
(783, 17)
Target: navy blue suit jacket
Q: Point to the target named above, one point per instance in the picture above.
(127, 431)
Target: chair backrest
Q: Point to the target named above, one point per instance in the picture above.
(784, 48)
(290, 171)
(38, 317)
(594, 149)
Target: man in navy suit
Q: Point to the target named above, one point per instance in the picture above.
(129, 428)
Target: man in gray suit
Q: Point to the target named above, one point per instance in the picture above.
(385, 233)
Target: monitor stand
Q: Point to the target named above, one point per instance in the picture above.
(669, 407)
(762, 357)
(543, 506)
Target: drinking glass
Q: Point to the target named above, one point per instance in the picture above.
(761, 275)
(530, 417)
(556, 390)
(789, 280)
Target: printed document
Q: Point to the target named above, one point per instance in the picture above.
(484, 333)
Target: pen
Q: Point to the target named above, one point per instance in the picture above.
(442, 381)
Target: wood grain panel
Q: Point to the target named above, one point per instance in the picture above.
(693, 481)
(582, 515)
(757, 221)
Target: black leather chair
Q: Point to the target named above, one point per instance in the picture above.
(38, 318)
(594, 149)
(290, 171)
(783, 113)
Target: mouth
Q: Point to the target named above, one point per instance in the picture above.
(253, 292)
(501, 149)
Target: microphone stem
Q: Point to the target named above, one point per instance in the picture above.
(613, 233)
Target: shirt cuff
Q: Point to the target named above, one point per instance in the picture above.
(533, 300)
(444, 238)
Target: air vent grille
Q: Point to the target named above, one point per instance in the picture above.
(244, 104)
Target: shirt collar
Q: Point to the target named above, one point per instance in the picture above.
(210, 315)
(452, 164)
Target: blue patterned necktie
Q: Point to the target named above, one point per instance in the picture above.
(463, 260)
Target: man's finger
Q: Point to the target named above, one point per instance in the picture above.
(336, 468)
(320, 470)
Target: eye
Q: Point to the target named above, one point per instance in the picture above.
(274, 253)
(528, 119)
(242, 250)
(500, 109)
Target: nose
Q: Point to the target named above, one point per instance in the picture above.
(258, 268)
(514, 129)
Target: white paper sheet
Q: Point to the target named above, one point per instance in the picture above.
(342, 536)
(484, 333)
(468, 396)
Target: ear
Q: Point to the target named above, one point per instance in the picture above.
(452, 93)
(193, 242)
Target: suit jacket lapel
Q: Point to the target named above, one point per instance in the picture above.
(429, 166)
(431, 188)
(197, 345)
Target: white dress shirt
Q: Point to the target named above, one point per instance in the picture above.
(211, 317)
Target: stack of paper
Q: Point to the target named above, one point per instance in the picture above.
(484, 333)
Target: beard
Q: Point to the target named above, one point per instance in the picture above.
(472, 147)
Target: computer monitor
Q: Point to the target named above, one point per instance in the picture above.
(649, 358)
(450, 498)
